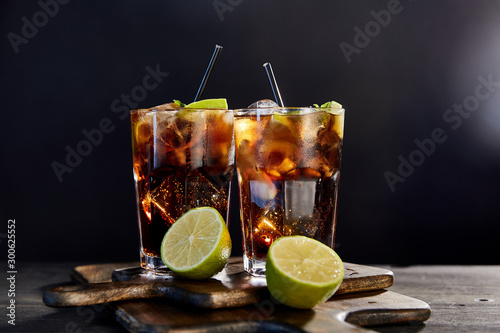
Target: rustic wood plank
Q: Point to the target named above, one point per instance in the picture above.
(463, 298)
(450, 290)
(363, 308)
(368, 308)
(33, 316)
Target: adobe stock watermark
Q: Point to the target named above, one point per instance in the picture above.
(223, 6)
(29, 29)
(454, 118)
(94, 137)
(11, 272)
(363, 37)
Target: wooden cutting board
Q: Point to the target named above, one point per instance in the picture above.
(231, 288)
(354, 305)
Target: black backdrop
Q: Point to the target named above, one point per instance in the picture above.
(407, 72)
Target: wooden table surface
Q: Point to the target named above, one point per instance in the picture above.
(462, 299)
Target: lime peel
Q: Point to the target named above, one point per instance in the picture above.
(197, 245)
(302, 272)
(215, 103)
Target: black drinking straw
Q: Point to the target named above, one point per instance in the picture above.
(274, 85)
(218, 48)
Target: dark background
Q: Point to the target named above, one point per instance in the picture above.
(396, 89)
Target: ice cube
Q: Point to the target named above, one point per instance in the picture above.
(245, 159)
(280, 128)
(143, 133)
(169, 193)
(144, 128)
(245, 130)
(299, 207)
(170, 146)
(309, 126)
(330, 146)
(272, 154)
(262, 189)
(286, 166)
(263, 103)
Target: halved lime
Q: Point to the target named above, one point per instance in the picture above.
(197, 245)
(302, 272)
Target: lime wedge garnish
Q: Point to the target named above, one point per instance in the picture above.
(216, 103)
(336, 109)
(196, 115)
(329, 105)
(302, 272)
(197, 245)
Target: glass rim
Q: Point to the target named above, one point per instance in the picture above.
(153, 109)
(286, 110)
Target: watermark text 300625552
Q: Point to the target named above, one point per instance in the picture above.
(11, 272)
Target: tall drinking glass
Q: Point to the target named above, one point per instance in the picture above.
(288, 164)
(183, 158)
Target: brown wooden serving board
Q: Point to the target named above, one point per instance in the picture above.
(233, 287)
(359, 301)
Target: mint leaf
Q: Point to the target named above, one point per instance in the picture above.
(176, 101)
(329, 105)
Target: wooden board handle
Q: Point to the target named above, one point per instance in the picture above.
(97, 293)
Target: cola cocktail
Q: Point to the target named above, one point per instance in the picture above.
(183, 158)
(288, 164)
